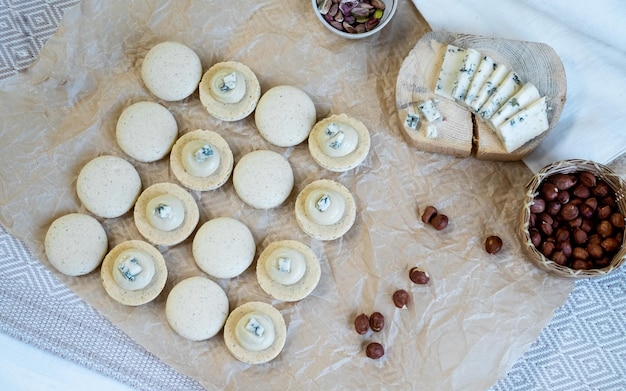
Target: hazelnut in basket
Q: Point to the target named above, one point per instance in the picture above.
(573, 219)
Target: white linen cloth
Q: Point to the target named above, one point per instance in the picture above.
(588, 37)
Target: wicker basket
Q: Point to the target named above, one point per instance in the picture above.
(566, 167)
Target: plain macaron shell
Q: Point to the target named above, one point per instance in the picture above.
(171, 71)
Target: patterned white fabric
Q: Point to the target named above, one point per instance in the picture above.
(583, 348)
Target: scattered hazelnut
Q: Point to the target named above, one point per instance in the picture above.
(374, 350)
(439, 222)
(377, 321)
(418, 276)
(428, 214)
(401, 298)
(362, 324)
(493, 244)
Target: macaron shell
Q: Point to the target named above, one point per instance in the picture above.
(213, 181)
(108, 186)
(263, 356)
(140, 296)
(263, 179)
(325, 232)
(299, 290)
(146, 131)
(166, 238)
(171, 71)
(342, 163)
(230, 111)
(285, 116)
(223, 247)
(197, 308)
(75, 244)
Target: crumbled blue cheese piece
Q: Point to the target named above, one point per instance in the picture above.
(255, 327)
(447, 79)
(323, 203)
(284, 265)
(464, 77)
(524, 126)
(485, 68)
(163, 211)
(509, 87)
(203, 153)
(429, 110)
(130, 269)
(525, 96)
(431, 131)
(229, 82)
(412, 121)
(489, 86)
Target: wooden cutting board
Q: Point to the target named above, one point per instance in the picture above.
(461, 132)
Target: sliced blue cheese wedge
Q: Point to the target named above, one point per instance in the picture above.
(452, 62)
(503, 92)
(489, 86)
(485, 68)
(527, 124)
(525, 96)
(464, 77)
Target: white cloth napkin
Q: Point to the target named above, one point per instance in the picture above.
(589, 38)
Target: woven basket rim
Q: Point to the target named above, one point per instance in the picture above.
(569, 166)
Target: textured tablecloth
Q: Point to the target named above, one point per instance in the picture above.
(583, 347)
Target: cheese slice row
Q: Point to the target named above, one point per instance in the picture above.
(515, 110)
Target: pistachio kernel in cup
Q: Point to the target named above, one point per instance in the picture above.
(352, 16)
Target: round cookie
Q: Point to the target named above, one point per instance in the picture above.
(223, 247)
(288, 270)
(196, 308)
(263, 179)
(166, 214)
(133, 273)
(325, 209)
(75, 244)
(248, 342)
(285, 115)
(171, 71)
(339, 143)
(229, 91)
(146, 131)
(108, 186)
(189, 157)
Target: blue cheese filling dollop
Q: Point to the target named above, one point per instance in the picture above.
(325, 207)
(286, 266)
(133, 270)
(255, 331)
(165, 212)
(228, 86)
(200, 158)
(338, 139)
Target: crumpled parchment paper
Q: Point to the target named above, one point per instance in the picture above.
(462, 331)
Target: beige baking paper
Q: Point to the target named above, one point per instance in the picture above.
(463, 331)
